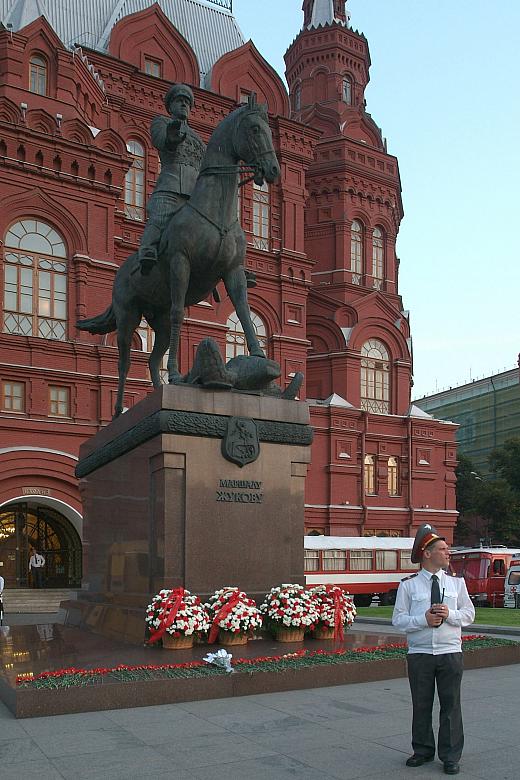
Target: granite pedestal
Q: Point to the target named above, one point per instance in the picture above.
(164, 507)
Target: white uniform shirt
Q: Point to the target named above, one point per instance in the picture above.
(1, 585)
(36, 561)
(413, 600)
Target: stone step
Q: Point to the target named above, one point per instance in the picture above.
(27, 601)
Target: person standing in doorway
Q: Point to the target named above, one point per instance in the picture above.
(36, 565)
(431, 607)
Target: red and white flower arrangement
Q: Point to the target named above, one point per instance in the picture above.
(231, 610)
(289, 606)
(178, 613)
(336, 609)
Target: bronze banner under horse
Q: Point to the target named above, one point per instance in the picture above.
(202, 244)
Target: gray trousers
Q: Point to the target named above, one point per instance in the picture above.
(424, 671)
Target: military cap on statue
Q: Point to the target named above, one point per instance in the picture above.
(426, 534)
(176, 90)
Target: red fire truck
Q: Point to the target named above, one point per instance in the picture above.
(484, 569)
(365, 566)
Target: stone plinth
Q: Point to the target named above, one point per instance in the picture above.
(164, 507)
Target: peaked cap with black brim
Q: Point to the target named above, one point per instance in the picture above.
(426, 534)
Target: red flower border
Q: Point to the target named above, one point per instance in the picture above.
(102, 671)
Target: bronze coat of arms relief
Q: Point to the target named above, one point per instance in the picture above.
(240, 444)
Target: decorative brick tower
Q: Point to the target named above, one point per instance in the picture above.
(364, 477)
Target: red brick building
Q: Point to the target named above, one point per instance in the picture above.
(76, 168)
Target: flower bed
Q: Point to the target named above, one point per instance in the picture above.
(66, 678)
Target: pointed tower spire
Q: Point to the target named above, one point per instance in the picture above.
(319, 13)
(23, 12)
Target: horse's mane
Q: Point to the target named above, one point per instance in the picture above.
(235, 117)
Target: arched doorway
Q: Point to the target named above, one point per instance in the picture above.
(23, 526)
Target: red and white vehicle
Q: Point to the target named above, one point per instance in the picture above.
(484, 569)
(364, 566)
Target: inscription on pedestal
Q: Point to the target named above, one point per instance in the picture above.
(240, 491)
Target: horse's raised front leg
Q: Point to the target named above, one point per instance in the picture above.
(161, 326)
(179, 281)
(236, 286)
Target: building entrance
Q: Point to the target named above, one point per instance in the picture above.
(24, 527)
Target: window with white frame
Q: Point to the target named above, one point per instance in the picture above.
(134, 182)
(13, 397)
(347, 90)
(235, 338)
(393, 477)
(360, 560)
(334, 560)
(261, 216)
(311, 560)
(378, 259)
(375, 377)
(38, 74)
(35, 281)
(370, 475)
(356, 251)
(59, 401)
(386, 559)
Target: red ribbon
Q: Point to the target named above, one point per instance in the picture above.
(338, 612)
(168, 615)
(221, 614)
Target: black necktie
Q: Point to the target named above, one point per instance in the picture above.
(436, 591)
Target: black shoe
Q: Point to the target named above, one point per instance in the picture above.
(417, 760)
(451, 768)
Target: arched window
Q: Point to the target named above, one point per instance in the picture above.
(378, 258)
(393, 477)
(297, 99)
(347, 90)
(38, 75)
(261, 216)
(236, 340)
(356, 251)
(375, 377)
(370, 475)
(35, 281)
(134, 182)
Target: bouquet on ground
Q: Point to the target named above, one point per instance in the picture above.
(177, 613)
(289, 607)
(231, 611)
(336, 609)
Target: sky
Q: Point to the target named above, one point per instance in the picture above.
(444, 88)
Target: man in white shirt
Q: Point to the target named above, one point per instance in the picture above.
(1, 603)
(431, 607)
(36, 564)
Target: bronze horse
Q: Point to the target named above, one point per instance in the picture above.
(202, 244)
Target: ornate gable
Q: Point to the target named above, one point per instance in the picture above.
(149, 34)
(244, 70)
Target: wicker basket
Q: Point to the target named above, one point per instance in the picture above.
(177, 642)
(324, 633)
(290, 635)
(228, 639)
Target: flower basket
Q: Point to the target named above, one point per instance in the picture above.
(227, 639)
(336, 611)
(233, 615)
(288, 608)
(176, 615)
(290, 634)
(324, 633)
(170, 642)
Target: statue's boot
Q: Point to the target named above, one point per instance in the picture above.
(147, 259)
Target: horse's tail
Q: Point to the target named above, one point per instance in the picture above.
(103, 323)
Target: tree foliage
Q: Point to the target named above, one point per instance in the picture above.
(491, 503)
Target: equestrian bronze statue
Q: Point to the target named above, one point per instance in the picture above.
(201, 244)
